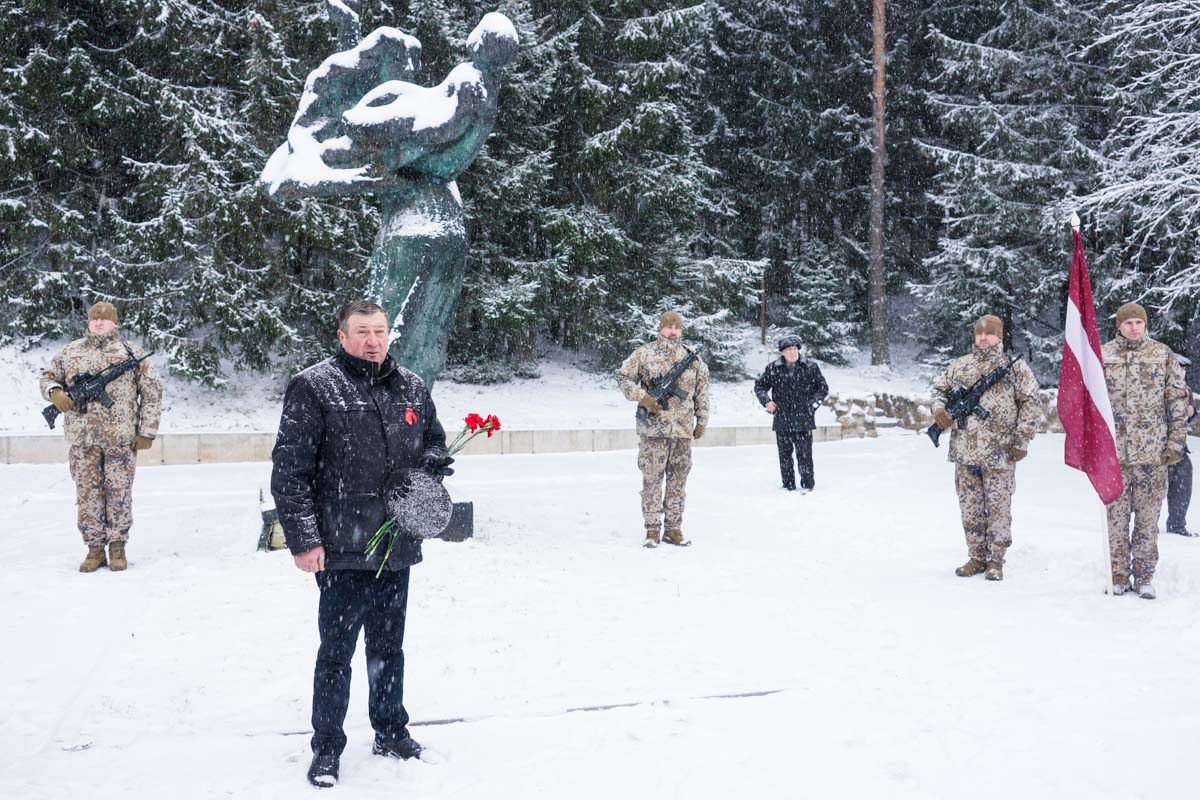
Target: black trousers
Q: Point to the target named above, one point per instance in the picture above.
(353, 600)
(801, 443)
(1179, 493)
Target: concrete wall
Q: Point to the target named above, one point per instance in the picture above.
(224, 448)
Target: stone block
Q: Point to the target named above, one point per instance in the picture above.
(152, 456)
(752, 435)
(462, 523)
(226, 448)
(481, 445)
(614, 439)
(827, 433)
(517, 441)
(571, 440)
(37, 449)
(262, 445)
(181, 448)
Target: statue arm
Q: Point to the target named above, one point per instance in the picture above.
(345, 19)
(402, 122)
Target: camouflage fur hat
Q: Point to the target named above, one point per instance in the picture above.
(670, 318)
(1130, 311)
(103, 310)
(989, 323)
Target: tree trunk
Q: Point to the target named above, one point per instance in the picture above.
(876, 295)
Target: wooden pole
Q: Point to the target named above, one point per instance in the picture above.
(762, 304)
(876, 290)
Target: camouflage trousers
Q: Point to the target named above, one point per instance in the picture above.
(985, 501)
(1142, 500)
(103, 492)
(663, 458)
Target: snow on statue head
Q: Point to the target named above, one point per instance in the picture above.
(493, 43)
(364, 127)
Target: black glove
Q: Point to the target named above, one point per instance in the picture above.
(437, 464)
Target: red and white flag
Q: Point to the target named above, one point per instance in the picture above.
(1083, 405)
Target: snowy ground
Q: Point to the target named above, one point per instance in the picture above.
(562, 397)
(189, 675)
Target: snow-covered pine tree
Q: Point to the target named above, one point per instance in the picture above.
(504, 194)
(1147, 207)
(133, 137)
(630, 181)
(139, 149)
(1018, 124)
(52, 107)
(790, 82)
(716, 288)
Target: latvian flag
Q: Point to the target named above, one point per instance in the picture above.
(1083, 405)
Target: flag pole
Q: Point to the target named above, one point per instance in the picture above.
(1107, 566)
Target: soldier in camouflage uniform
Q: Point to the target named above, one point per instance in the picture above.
(104, 441)
(985, 454)
(1149, 402)
(665, 438)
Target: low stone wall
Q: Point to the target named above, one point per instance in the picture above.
(856, 416)
(223, 448)
(866, 412)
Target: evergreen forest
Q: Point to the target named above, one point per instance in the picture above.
(699, 156)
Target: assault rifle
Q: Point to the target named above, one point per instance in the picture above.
(963, 401)
(664, 387)
(91, 387)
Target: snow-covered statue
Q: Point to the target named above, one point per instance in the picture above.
(362, 127)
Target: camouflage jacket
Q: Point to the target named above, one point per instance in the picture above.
(1013, 408)
(137, 395)
(679, 418)
(1149, 399)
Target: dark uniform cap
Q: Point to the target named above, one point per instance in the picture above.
(791, 340)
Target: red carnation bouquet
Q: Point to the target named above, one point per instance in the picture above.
(420, 506)
(474, 425)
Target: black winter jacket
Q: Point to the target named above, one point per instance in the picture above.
(347, 429)
(796, 392)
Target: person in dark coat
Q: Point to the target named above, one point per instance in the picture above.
(352, 426)
(792, 389)
(1179, 475)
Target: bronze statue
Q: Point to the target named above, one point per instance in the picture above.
(363, 126)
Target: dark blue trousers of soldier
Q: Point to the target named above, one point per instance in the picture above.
(1179, 494)
(800, 443)
(353, 600)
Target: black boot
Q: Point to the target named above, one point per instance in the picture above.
(323, 772)
(405, 748)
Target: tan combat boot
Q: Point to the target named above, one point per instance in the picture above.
(94, 560)
(974, 566)
(116, 556)
(651, 538)
(675, 537)
(995, 571)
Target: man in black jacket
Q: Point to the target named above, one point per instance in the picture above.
(792, 389)
(1179, 475)
(352, 425)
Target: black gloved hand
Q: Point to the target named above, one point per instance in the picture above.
(437, 464)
